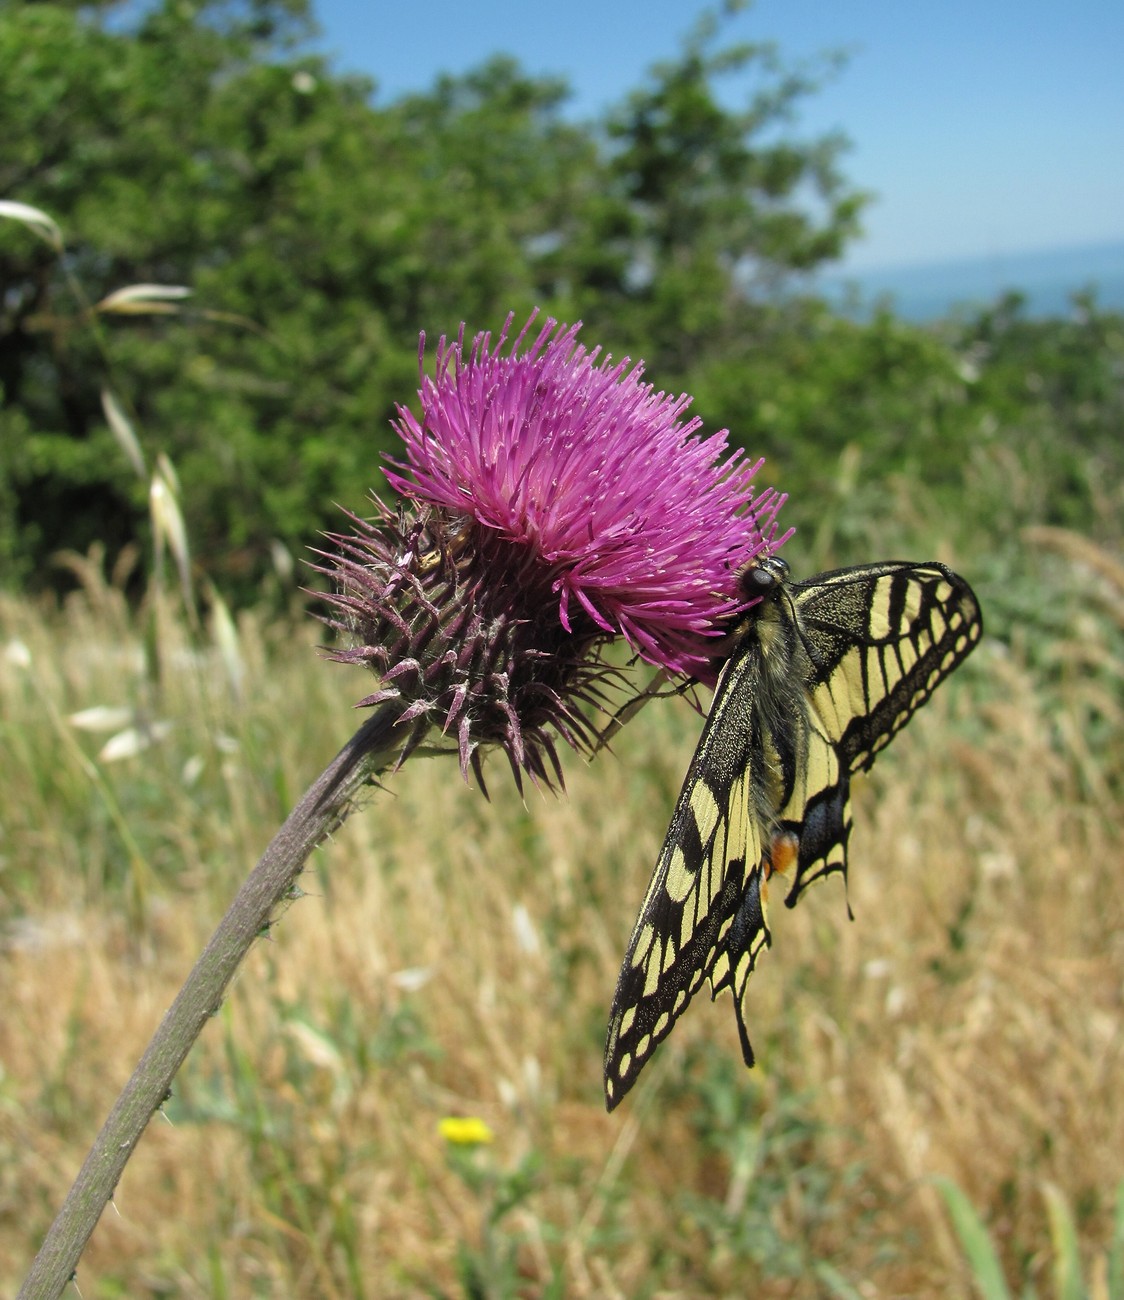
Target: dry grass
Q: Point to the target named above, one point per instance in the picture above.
(455, 957)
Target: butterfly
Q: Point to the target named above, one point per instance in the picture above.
(822, 675)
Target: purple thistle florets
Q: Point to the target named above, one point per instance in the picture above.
(556, 503)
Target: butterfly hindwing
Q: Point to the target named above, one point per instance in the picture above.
(878, 639)
(823, 675)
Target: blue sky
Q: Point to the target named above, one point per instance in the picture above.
(984, 127)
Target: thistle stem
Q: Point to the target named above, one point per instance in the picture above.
(325, 806)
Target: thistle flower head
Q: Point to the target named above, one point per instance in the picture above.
(556, 501)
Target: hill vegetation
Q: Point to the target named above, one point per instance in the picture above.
(452, 957)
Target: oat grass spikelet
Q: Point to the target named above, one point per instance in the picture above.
(555, 502)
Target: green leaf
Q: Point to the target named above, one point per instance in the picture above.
(835, 1282)
(987, 1274)
(1116, 1250)
(1067, 1257)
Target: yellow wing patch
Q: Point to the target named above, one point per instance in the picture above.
(823, 675)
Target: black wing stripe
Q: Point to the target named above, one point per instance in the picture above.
(881, 638)
(825, 673)
(694, 892)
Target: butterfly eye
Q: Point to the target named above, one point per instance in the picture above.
(764, 576)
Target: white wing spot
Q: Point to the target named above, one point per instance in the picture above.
(908, 655)
(680, 878)
(643, 943)
(705, 807)
(878, 619)
(713, 874)
(850, 672)
(824, 701)
(652, 975)
(686, 926)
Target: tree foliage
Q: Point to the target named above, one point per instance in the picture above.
(201, 145)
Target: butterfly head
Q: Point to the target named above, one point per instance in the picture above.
(763, 576)
(759, 585)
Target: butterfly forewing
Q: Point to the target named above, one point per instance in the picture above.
(824, 674)
(695, 889)
(879, 639)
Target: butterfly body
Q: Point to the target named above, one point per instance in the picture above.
(822, 675)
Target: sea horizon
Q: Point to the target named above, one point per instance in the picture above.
(1047, 278)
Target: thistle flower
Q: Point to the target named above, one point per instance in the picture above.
(555, 502)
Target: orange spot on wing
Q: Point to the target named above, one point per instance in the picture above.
(784, 851)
